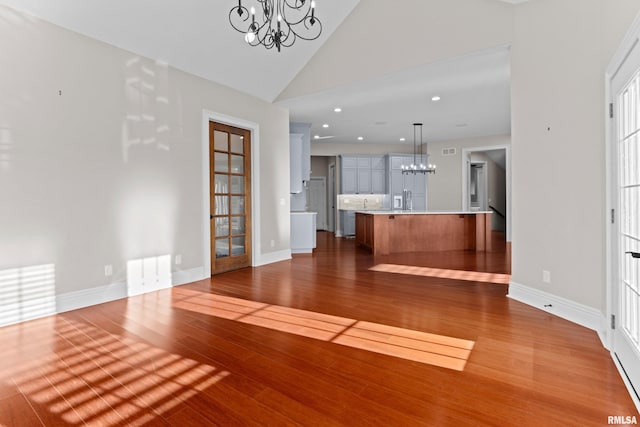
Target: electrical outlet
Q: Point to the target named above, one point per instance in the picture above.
(273, 243)
(178, 259)
(546, 276)
(108, 270)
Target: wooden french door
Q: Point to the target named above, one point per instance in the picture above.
(230, 177)
(626, 237)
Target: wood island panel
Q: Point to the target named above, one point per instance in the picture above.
(385, 234)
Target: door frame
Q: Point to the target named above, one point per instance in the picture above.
(631, 39)
(332, 197)
(465, 152)
(254, 128)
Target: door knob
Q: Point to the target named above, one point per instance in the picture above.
(210, 216)
(634, 254)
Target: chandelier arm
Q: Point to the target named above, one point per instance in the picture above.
(243, 16)
(285, 7)
(317, 24)
(308, 21)
(263, 27)
(297, 5)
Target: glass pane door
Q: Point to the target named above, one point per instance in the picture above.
(230, 198)
(629, 197)
(626, 343)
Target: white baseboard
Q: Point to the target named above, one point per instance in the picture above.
(572, 311)
(101, 294)
(302, 251)
(187, 276)
(92, 296)
(272, 257)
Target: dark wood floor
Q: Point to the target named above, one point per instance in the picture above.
(177, 357)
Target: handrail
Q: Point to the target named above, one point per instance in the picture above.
(497, 211)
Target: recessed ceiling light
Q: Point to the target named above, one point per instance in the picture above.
(435, 98)
(337, 109)
(326, 125)
(316, 137)
(360, 138)
(402, 139)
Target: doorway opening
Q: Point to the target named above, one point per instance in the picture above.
(477, 186)
(486, 184)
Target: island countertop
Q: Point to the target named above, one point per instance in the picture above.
(388, 232)
(402, 212)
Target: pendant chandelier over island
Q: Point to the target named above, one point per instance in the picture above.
(416, 167)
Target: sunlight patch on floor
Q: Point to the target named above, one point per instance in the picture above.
(100, 378)
(432, 349)
(471, 276)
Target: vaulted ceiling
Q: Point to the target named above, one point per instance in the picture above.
(195, 36)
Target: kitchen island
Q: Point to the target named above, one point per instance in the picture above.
(388, 232)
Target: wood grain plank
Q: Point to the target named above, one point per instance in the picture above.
(179, 357)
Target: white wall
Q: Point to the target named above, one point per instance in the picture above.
(101, 157)
(559, 54)
(445, 186)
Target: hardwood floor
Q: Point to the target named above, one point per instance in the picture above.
(226, 351)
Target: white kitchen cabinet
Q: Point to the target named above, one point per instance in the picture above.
(348, 220)
(303, 232)
(295, 163)
(303, 129)
(349, 181)
(363, 175)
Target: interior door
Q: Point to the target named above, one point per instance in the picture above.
(332, 198)
(318, 201)
(625, 87)
(230, 199)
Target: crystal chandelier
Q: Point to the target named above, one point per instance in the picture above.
(276, 23)
(414, 167)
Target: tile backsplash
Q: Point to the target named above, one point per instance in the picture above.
(363, 202)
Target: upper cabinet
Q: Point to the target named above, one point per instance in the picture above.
(363, 174)
(304, 159)
(295, 166)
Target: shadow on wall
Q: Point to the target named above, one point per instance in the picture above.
(27, 293)
(146, 122)
(147, 207)
(5, 148)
